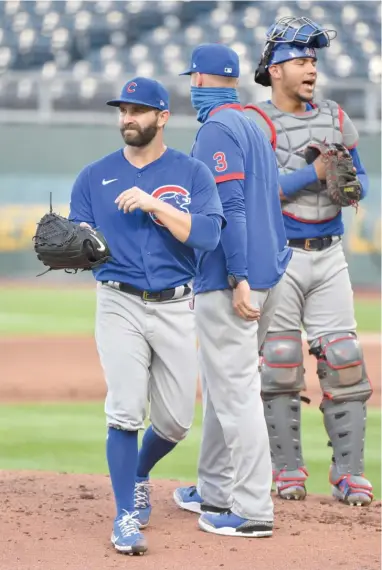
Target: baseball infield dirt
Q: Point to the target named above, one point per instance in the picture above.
(55, 521)
(63, 522)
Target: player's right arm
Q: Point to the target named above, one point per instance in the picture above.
(216, 147)
(80, 203)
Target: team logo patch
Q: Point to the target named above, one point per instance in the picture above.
(176, 196)
(130, 88)
(309, 51)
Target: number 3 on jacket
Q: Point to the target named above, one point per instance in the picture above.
(221, 162)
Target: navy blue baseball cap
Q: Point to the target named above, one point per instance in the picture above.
(143, 91)
(285, 52)
(214, 59)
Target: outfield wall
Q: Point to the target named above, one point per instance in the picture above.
(37, 159)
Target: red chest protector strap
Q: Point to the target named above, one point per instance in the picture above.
(268, 121)
(273, 128)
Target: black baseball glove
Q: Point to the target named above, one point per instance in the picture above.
(62, 244)
(342, 184)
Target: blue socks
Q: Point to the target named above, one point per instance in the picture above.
(122, 457)
(125, 467)
(152, 450)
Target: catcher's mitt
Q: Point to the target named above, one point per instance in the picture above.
(342, 184)
(62, 244)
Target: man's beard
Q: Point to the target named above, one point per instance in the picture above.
(137, 136)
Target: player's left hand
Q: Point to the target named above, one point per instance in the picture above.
(135, 198)
(241, 302)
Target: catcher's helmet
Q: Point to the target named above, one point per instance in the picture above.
(291, 38)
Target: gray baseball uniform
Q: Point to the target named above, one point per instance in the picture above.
(235, 465)
(154, 210)
(143, 347)
(316, 293)
(231, 398)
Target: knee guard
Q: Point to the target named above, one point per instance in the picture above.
(282, 378)
(346, 388)
(341, 368)
(282, 370)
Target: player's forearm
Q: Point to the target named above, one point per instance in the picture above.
(234, 235)
(361, 173)
(234, 243)
(205, 232)
(364, 180)
(295, 181)
(177, 222)
(194, 230)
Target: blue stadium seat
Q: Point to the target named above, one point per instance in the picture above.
(115, 38)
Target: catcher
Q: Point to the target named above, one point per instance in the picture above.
(62, 244)
(320, 173)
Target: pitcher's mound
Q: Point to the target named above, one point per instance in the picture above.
(54, 521)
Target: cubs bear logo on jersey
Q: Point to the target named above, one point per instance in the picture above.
(174, 195)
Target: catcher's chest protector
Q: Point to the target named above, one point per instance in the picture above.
(294, 133)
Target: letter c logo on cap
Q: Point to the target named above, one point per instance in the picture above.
(131, 87)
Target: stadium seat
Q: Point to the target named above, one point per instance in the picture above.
(104, 41)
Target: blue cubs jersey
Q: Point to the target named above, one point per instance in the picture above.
(144, 252)
(244, 166)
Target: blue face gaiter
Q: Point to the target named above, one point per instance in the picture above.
(204, 99)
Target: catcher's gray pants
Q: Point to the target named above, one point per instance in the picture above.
(148, 351)
(235, 467)
(316, 291)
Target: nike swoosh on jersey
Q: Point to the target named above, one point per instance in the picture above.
(105, 182)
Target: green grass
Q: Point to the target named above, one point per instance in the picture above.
(71, 311)
(71, 437)
(47, 311)
(368, 315)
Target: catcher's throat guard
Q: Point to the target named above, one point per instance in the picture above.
(62, 244)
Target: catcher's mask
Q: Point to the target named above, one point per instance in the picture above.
(291, 38)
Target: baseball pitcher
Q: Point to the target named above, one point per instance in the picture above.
(234, 285)
(154, 205)
(320, 173)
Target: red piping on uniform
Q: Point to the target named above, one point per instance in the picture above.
(236, 106)
(283, 338)
(353, 485)
(338, 339)
(332, 366)
(268, 121)
(341, 119)
(328, 395)
(353, 145)
(232, 176)
(292, 365)
(308, 221)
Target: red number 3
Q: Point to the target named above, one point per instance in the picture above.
(221, 162)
